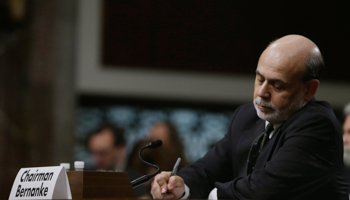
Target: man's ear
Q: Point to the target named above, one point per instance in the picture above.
(311, 88)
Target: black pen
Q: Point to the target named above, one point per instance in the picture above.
(176, 166)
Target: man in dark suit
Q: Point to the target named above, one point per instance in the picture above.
(299, 156)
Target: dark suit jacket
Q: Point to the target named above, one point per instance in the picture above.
(303, 159)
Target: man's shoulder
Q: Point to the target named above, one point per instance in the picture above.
(315, 107)
(314, 113)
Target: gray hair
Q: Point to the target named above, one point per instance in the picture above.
(314, 67)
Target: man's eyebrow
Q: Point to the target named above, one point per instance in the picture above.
(272, 80)
(258, 73)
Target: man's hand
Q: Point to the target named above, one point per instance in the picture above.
(173, 186)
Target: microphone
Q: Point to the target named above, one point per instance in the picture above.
(152, 145)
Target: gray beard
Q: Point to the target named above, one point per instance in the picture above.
(279, 115)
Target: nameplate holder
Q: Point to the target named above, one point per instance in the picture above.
(41, 183)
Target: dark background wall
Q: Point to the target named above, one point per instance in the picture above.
(220, 36)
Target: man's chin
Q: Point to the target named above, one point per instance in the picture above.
(265, 115)
(270, 118)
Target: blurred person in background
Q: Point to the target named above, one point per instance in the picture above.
(346, 140)
(172, 147)
(108, 148)
(164, 157)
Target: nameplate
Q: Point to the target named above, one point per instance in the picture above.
(41, 183)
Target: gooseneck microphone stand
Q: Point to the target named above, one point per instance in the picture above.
(137, 182)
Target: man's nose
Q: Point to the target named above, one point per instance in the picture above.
(264, 91)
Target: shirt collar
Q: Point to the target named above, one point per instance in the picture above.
(275, 126)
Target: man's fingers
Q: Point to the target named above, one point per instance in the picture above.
(155, 191)
(176, 186)
(160, 184)
(162, 178)
(172, 187)
(164, 189)
(175, 181)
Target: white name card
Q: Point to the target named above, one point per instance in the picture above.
(41, 183)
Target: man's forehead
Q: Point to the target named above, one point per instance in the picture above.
(279, 74)
(105, 137)
(280, 64)
(270, 77)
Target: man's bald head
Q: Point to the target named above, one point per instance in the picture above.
(303, 51)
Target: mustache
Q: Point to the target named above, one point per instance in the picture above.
(262, 102)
